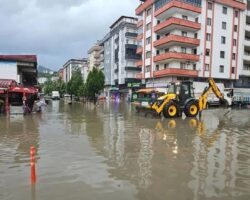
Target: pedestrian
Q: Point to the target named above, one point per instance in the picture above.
(96, 98)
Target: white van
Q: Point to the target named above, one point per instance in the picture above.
(55, 95)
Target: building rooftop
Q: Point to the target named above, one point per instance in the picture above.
(122, 17)
(19, 58)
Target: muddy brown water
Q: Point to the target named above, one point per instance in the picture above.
(109, 152)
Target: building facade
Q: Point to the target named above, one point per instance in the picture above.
(94, 57)
(190, 39)
(21, 68)
(119, 55)
(73, 65)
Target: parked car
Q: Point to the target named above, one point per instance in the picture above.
(55, 95)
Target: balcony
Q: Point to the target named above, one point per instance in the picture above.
(133, 69)
(176, 56)
(176, 40)
(248, 27)
(176, 72)
(177, 23)
(139, 23)
(139, 50)
(246, 56)
(129, 34)
(165, 8)
(139, 37)
(138, 63)
(139, 76)
(96, 55)
(143, 6)
(247, 41)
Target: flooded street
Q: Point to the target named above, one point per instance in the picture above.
(109, 152)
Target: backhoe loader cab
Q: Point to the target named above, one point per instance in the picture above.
(180, 98)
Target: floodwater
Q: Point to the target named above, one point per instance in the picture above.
(109, 152)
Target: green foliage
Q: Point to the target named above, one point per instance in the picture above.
(76, 86)
(50, 86)
(95, 82)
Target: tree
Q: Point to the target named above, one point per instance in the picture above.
(75, 85)
(95, 82)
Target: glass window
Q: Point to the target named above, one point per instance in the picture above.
(148, 54)
(208, 37)
(206, 67)
(185, 17)
(224, 25)
(210, 5)
(224, 10)
(207, 52)
(149, 11)
(222, 54)
(235, 28)
(223, 40)
(221, 68)
(148, 26)
(209, 21)
(148, 40)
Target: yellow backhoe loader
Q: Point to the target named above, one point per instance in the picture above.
(180, 98)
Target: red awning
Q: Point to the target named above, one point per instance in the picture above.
(20, 89)
(6, 83)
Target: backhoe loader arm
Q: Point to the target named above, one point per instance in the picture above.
(211, 88)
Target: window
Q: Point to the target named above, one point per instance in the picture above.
(167, 50)
(207, 52)
(224, 25)
(210, 5)
(158, 37)
(194, 66)
(158, 21)
(224, 10)
(233, 56)
(183, 49)
(222, 54)
(233, 70)
(167, 34)
(236, 13)
(208, 37)
(206, 67)
(195, 35)
(148, 54)
(148, 68)
(149, 11)
(197, 19)
(156, 67)
(166, 66)
(184, 33)
(209, 21)
(148, 40)
(185, 17)
(148, 26)
(194, 51)
(221, 68)
(183, 65)
(235, 28)
(157, 52)
(235, 42)
(223, 40)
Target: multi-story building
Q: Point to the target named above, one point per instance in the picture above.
(21, 68)
(244, 73)
(190, 39)
(94, 57)
(120, 55)
(73, 65)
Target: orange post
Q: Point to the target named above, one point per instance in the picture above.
(32, 165)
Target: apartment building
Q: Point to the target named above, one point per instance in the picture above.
(190, 39)
(94, 56)
(119, 55)
(21, 68)
(73, 65)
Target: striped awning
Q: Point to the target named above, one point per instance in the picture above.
(7, 83)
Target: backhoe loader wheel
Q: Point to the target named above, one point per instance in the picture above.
(171, 110)
(191, 109)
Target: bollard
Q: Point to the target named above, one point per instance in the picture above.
(32, 165)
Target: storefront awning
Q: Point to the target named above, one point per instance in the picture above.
(6, 83)
(20, 89)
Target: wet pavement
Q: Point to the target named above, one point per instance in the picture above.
(109, 152)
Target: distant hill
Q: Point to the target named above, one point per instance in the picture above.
(44, 70)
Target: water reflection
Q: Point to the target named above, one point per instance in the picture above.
(107, 149)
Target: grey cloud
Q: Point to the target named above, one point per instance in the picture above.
(57, 30)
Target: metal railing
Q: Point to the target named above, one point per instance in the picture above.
(161, 3)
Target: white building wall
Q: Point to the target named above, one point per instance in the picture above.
(8, 70)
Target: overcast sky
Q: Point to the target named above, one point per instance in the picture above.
(57, 30)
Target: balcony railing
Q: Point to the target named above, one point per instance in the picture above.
(160, 3)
